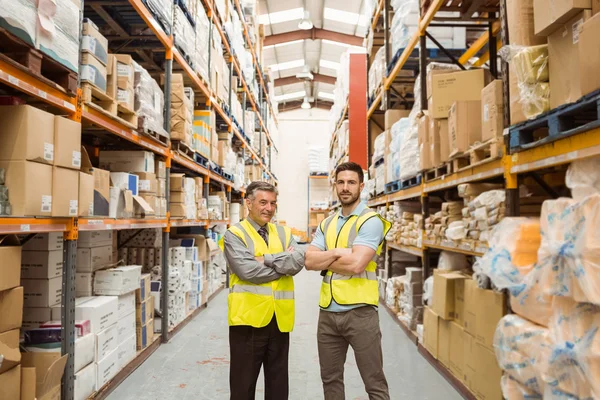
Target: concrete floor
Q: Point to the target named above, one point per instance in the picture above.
(194, 365)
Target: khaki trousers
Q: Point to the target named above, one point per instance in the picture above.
(358, 328)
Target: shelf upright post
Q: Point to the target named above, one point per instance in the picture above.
(386, 40)
(504, 65)
(492, 45)
(425, 260)
(68, 309)
(166, 231)
(210, 41)
(423, 65)
(230, 84)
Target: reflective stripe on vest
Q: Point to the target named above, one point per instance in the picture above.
(263, 291)
(372, 276)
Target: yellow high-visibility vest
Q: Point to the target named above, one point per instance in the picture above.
(252, 304)
(356, 289)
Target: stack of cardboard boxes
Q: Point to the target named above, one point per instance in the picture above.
(37, 144)
(94, 57)
(182, 196)
(144, 313)
(204, 132)
(121, 80)
(182, 110)
(459, 330)
(95, 251)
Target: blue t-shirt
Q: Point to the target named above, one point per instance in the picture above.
(369, 235)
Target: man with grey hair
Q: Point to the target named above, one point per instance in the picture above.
(262, 258)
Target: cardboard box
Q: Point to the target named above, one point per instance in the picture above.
(565, 71)
(444, 287)
(393, 116)
(431, 331)
(35, 316)
(470, 307)
(126, 326)
(470, 362)
(589, 55)
(177, 182)
(438, 133)
(126, 304)
(101, 311)
(464, 125)
(456, 87)
(85, 351)
(121, 203)
(457, 361)
(126, 98)
(127, 161)
(91, 260)
(127, 351)
(433, 73)
(117, 281)
(92, 239)
(9, 348)
(459, 301)
(101, 185)
(125, 71)
(144, 312)
(492, 111)
(45, 242)
(85, 382)
(84, 284)
(86, 195)
(144, 335)
(41, 264)
(487, 382)
(27, 134)
(10, 268)
(49, 370)
(125, 181)
(65, 192)
(106, 342)
(444, 342)
(42, 292)
(67, 143)
(93, 42)
(147, 182)
(491, 307)
(143, 293)
(28, 378)
(549, 16)
(29, 197)
(10, 384)
(107, 368)
(160, 169)
(92, 71)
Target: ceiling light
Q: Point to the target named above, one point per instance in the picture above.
(281, 16)
(326, 95)
(290, 96)
(305, 24)
(329, 64)
(287, 65)
(305, 104)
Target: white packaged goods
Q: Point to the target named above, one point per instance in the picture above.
(89, 239)
(106, 369)
(127, 350)
(127, 303)
(163, 10)
(127, 161)
(58, 32)
(149, 103)
(317, 159)
(20, 18)
(90, 260)
(183, 32)
(85, 351)
(85, 382)
(126, 327)
(583, 178)
(117, 281)
(101, 311)
(45, 242)
(106, 342)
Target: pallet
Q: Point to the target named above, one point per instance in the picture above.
(564, 121)
(392, 187)
(186, 56)
(410, 182)
(183, 149)
(127, 114)
(437, 172)
(379, 162)
(164, 23)
(143, 129)
(92, 96)
(200, 159)
(217, 170)
(227, 176)
(25, 57)
(183, 6)
(480, 154)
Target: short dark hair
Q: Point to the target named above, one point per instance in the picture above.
(351, 166)
(259, 186)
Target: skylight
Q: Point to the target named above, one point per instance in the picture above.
(326, 95)
(287, 65)
(345, 45)
(345, 16)
(283, 44)
(290, 96)
(329, 64)
(281, 16)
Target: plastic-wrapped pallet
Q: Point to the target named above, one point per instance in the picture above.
(163, 11)
(184, 33)
(149, 101)
(201, 43)
(397, 164)
(583, 178)
(317, 159)
(377, 71)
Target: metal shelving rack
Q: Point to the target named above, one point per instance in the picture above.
(59, 101)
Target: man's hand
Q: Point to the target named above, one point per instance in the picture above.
(260, 259)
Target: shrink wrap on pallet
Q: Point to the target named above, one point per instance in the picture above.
(149, 101)
(163, 11)
(184, 33)
(513, 390)
(523, 350)
(583, 178)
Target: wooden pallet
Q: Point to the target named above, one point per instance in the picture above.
(480, 154)
(151, 133)
(126, 114)
(183, 149)
(410, 182)
(200, 159)
(437, 172)
(25, 57)
(564, 121)
(92, 96)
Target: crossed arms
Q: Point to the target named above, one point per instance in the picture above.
(342, 261)
(264, 269)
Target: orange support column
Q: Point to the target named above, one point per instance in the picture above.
(357, 111)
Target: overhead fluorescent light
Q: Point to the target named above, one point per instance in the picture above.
(326, 95)
(290, 96)
(305, 23)
(329, 64)
(345, 17)
(278, 45)
(305, 104)
(287, 65)
(281, 16)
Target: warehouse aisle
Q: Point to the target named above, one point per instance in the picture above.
(194, 365)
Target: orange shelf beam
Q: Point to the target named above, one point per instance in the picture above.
(103, 224)
(16, 225)
(147, 16)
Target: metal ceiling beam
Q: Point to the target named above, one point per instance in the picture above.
(313, 34)
(110, 20)
(290, 80)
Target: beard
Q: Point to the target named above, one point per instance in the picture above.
(352, 200)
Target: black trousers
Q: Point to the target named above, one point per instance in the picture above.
(252, 348)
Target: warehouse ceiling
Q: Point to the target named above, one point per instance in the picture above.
(337, 25)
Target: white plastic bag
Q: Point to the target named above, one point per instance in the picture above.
(449, 261)
(583, 178)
